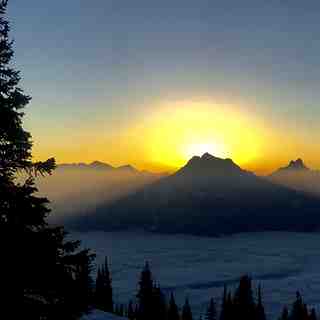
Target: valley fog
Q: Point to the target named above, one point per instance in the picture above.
(78, 191)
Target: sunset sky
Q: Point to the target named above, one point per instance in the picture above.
(152, 83)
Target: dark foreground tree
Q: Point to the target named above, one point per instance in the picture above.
(159, 305)
(299, 309)
(145, 294)
(151, 300)
(260, 312)
(186, 311)
(313, 315)
(43, 276)
(223, 311)
(173, 311)
(244, 306)
(104, 292)
(284, 314)
(211, 311)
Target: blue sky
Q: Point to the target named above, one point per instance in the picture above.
(102, 65)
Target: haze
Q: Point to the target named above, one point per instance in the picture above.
(79, 191)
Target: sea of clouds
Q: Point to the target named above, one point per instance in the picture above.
(198, 267)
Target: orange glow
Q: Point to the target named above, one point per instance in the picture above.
(165, 138)
(178, 130)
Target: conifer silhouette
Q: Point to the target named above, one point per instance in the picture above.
(211, 313)
(223, 311)
(284, 314)
(186, 311)
(173, 311)
(260, 312)
(313, 315)
(244, 305)
(145, 294)
(54, 281)
(104, 291)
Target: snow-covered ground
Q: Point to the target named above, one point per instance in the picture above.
(198, 267)
(100, 315)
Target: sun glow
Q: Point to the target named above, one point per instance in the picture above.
(177, 131)
(165, 135)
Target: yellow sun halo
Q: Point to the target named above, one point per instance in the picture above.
(176, 132)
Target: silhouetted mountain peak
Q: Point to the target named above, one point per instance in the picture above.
(297, 165)
(293, 166)
(209, 164)
(208, 157)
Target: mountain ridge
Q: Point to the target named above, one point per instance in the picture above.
(209, 196)
(99, 165)
(209, 164)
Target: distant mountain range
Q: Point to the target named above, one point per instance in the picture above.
(104, 167)
(96, 165)
(78, 188)
(209, 196)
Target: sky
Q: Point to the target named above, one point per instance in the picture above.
(152, 83)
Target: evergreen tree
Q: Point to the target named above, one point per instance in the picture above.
(243, 301)
(173, 311)
(285, 314)
(159, 304)
(186, 311)
(104, 291)
(211, 311)
(15, 142)
(98, 289)
(54, 281)
(298, 311)
(230, 311)
(108, 287)
(260, 312)
(223, 315)
(145, 294)
(82, 289)
(227, 306)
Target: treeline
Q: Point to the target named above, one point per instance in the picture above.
(151, 302)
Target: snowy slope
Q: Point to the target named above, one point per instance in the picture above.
(100, 315)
